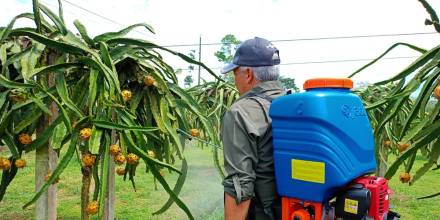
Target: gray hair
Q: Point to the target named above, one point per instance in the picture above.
(265, 73)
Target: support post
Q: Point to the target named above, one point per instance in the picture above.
(46, 159)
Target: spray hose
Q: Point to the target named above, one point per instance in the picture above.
(190, 137)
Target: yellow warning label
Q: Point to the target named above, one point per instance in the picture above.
(310, 171)
(351, 206)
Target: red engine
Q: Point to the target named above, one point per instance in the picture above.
(365, 198)
(379, 190)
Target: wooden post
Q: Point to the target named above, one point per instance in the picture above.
(46, 160)
(109, 211)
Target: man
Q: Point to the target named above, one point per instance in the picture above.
(250, 191)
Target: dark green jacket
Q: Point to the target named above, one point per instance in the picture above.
(247, 141)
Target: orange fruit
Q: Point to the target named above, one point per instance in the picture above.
(119, 159)
(92, 208)
(85, 133)
(162, 172)
(437, 91)
(126, 94)
(5, 164)
(194, 132)
(387, 143)
(120, 171)
(114, 149)
(132, 159)
(405, 177)
(88, 159)
(20, 163)
(24, 139)
(402, 146)
(149, 81)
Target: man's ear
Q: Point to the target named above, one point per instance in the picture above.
(249, 75)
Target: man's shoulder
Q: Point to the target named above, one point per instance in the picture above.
(244, 104)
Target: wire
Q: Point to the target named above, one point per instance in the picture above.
(332, 61)
(317, 38)
(101, 16)
(281, 40)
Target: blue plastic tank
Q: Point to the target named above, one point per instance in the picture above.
(322, 140)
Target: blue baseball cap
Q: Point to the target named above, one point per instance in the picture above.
(254, 52)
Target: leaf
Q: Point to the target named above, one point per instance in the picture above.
(56, 20)
(114, 126)
(43, 137)
(423, 95)
(132, 146)
(93, 63)
(30, 59)
(104, 176)
(147, 44)
(172, 131)
(386, 52)
(54, 44)
(111, 35)
(419, 62)
(58, 135)
(95, 140)
(432, 135)
(155, 110)
(14, 58)
(63, 111)
(435, 154)
(92, 89)
(60, 11)
(167, 188)
(53, 68)
(38, 102)
(14, 85)
(7, 177)
(59, 169)
(28, 119)
(61, 86)
(3, 96)
(177, 188)
(83, 31)
(8, 139)
(37, 15)
(4, 33)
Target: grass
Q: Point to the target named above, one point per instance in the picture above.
(202, 193)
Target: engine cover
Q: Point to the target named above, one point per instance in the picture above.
(366, 198)
(353, 203)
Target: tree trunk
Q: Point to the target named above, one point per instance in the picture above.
(85, 191)
(382, 166)
(46, 160)
(109, 211)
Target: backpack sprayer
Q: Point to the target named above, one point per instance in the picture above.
(324, 155)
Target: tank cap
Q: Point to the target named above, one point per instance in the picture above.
(328, 83)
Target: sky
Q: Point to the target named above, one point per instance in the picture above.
(178, 22)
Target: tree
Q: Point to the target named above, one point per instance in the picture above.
(227, 50)
(95, 98)
(289, 83)
(188, 81)
(191, 55)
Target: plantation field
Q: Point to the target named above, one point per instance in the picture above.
(202, 193)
